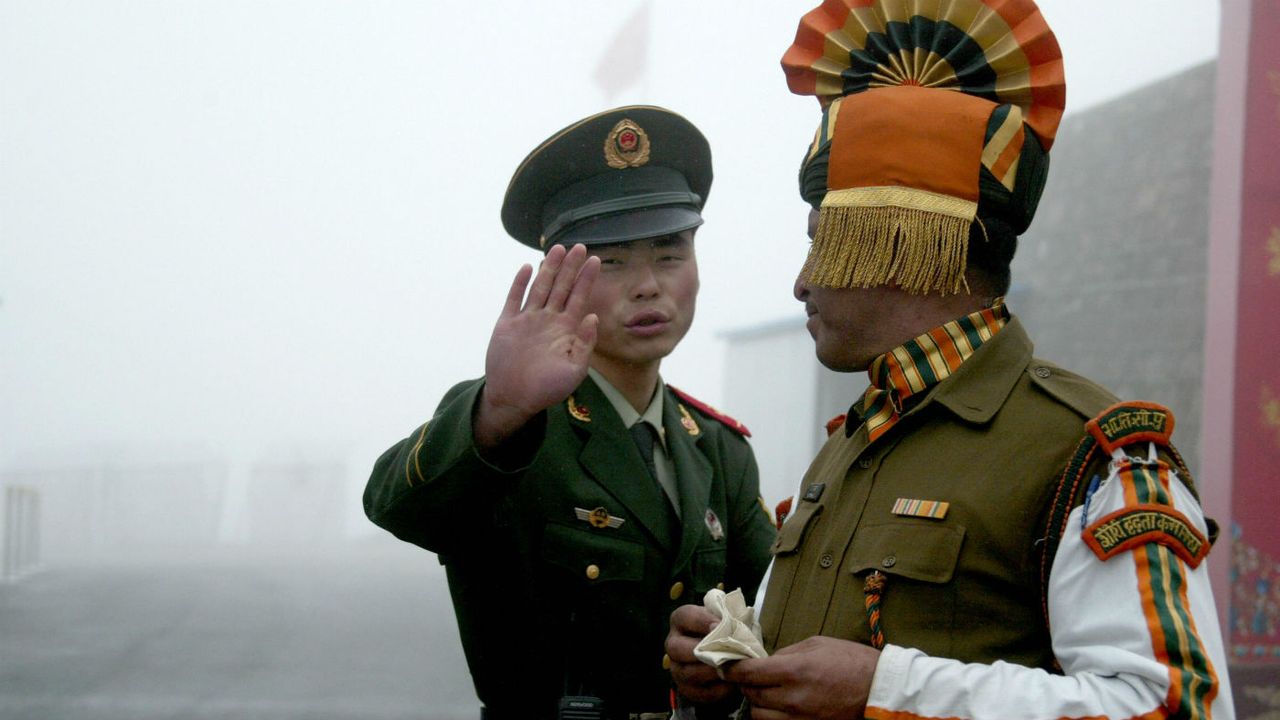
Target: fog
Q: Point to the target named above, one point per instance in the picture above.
(246, 246)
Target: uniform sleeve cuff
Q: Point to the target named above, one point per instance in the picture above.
(890, 674)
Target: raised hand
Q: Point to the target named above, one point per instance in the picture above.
(819, 677)
(540, 346)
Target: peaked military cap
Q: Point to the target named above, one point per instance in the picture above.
(625, 174)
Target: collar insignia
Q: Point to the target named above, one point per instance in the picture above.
(933, 509)
(687, 421)
(627, 145)
(599, 518)
(579, 412)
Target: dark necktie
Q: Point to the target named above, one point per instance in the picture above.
(643, 433)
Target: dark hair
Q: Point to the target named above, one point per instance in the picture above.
(992, 243)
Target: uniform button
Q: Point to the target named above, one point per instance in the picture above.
(1043, 372)
(889, 561)
(720, 586)
(593, 572)
(826, 560)
(666, 662)
(677, 590)
(864, 463)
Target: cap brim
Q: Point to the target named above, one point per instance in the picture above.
(634, 225)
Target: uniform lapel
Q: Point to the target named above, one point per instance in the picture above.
(610, 457)
(693, 475)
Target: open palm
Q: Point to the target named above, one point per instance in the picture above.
(541, 344)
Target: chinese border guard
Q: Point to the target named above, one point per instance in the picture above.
(574, 497)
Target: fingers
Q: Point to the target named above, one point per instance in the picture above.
(516, 293)
(693, 621)
(545, 279)
(587, 333)
(581, 292)
(566, 278)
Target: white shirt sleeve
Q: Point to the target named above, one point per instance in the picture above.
(1136, 633)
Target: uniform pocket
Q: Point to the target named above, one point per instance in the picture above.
(911, 549)
(795, 528)
(591, 555)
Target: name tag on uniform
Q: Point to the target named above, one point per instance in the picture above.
(932, 509)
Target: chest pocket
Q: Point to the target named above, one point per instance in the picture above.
(592, 556)
(912, 549)
(796, 527)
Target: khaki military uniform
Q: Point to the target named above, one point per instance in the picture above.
(564, 569)
(992, 441)
(979, 619)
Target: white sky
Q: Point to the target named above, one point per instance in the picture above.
(271, 228)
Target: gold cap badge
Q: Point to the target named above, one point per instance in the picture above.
(627, 145)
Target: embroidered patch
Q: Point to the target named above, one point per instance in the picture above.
(1139, 525)
(933, 509)
(1130, 422)
(599, 518)
(579, 412)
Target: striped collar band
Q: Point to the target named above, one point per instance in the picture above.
(904, 374)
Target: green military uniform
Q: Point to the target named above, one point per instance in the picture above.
(568, 547)
(992, 440)
(565, 569)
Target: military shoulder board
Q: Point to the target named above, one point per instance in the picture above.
(711, 412)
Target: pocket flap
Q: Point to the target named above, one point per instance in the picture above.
(928, 553)
(793, 530)
(592, 555)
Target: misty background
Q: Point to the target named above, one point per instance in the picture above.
(246, 246)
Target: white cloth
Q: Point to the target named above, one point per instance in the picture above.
(736, 637)
(1137, 635)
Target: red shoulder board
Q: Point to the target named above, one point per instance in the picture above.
(1131, 422)
(706, 409)
(835, 424)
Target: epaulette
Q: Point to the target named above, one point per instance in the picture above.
(711, 412)
(1079, 393)
(835, 424)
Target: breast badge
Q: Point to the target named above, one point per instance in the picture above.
(599, 518)
(713, 525)
(932, 509)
